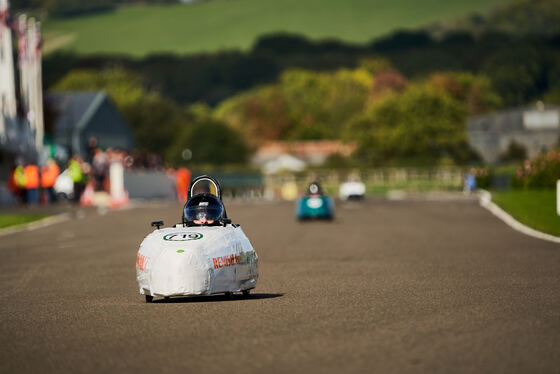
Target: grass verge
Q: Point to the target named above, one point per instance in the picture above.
(534, 208)
(9, 219)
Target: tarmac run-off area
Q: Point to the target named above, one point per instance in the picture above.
(389, 286)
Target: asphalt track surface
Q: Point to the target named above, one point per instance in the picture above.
(407, 286)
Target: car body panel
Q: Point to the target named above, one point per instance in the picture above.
(315, 207)
(352, 190)
(198, 260)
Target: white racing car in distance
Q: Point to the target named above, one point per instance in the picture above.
(353, 189)
(204, 255)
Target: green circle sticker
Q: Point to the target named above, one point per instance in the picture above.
(180, 251)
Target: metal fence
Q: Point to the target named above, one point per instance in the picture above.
(153, 185)
(377, 181)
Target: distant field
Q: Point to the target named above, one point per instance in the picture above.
(229, 24)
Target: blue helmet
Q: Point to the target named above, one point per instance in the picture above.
(203, 205)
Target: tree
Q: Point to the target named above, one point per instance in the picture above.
(474, 91)
(302, 105)
(514, 152)
(518, 74)
(419, 125)
(260, 114)
(320, 103)
(387, 81)
(211, 142)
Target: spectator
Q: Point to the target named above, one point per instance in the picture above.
(49, 173)
(182, 181)
(32, 182)
(99, 169)
(19, 181)
(92, 146)
(470, 181)
(77, 175)
(14, 187)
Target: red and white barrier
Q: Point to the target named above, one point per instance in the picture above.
(119, 196)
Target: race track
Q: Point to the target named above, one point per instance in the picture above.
(389, 286)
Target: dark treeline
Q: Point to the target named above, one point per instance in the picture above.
(521, 68)
(68, 8)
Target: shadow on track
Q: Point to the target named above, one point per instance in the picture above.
(217, 298)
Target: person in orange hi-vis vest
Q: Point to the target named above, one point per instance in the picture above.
(31, 172)
(14, 187)
(182, 180)
(49, 174)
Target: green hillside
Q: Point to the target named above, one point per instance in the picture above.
(210, 26)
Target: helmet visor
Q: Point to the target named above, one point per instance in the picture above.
(203, 207)
(204, 186)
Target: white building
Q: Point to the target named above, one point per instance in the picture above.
(536, 129)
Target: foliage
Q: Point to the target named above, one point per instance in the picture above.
(376, 65)
(514, 152)
(519, 17)
(389, 118)
(483, 177)
(123, 86)
(552, 96)
(65, 8)
(260, 114)
(62, 8)
(302, 105)
(518, 73)
(541, 172)
(320, 103)
(338, 161)
(474, 91)
(421, 123)
(211, 142)
(387, 81)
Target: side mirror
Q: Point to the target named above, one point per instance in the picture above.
(157, 224)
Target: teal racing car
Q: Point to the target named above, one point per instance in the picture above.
(315, 205)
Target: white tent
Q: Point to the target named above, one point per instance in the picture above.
(283, 162)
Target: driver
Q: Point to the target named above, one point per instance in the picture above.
(314, 189)
(204, 209)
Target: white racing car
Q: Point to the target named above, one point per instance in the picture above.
(353, 189)
(204, 255)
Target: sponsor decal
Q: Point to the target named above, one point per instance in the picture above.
(242, 258)
(141, 261)
(183, 236)
(224, 261)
